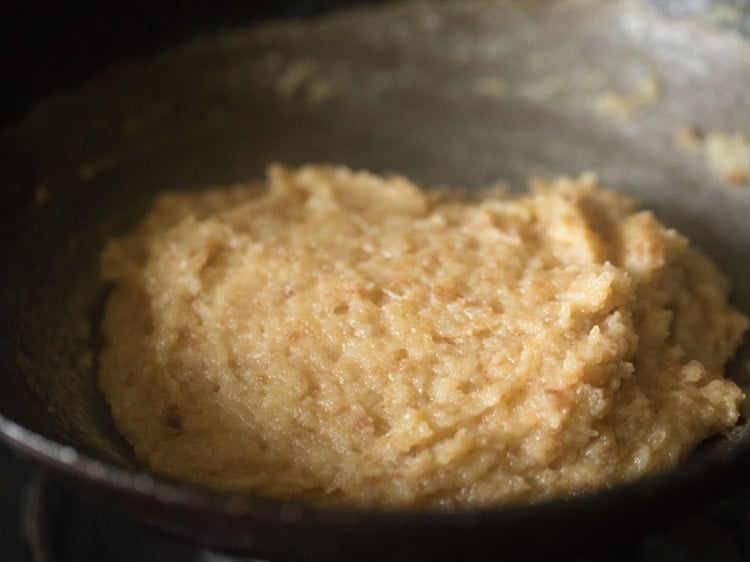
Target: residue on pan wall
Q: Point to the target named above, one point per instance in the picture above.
(627, 105)
(727, 154)
(571, 86)
(302, 78)
(492, 87)
(581, 87)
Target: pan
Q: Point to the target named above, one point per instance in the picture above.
(448, 93)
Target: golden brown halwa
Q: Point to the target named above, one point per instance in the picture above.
(340, 337)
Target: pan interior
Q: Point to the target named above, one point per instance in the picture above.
(449, 94)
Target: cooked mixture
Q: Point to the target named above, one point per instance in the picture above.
(339, 337)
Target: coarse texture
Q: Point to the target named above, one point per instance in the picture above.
(343, 338)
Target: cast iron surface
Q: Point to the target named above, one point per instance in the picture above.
(64, 527)
(457, 94)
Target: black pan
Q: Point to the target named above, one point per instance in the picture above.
(454, 93)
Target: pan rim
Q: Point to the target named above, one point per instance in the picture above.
(69, 461)
(266, 527)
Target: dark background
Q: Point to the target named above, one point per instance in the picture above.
(46, 46)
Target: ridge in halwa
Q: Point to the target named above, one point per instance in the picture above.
(340, 337)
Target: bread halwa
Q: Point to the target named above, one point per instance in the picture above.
(339, 337)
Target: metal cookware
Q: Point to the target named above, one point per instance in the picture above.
(448, 93)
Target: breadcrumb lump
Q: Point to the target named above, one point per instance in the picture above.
(727, 154)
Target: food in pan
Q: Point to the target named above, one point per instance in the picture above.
(339, 337)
